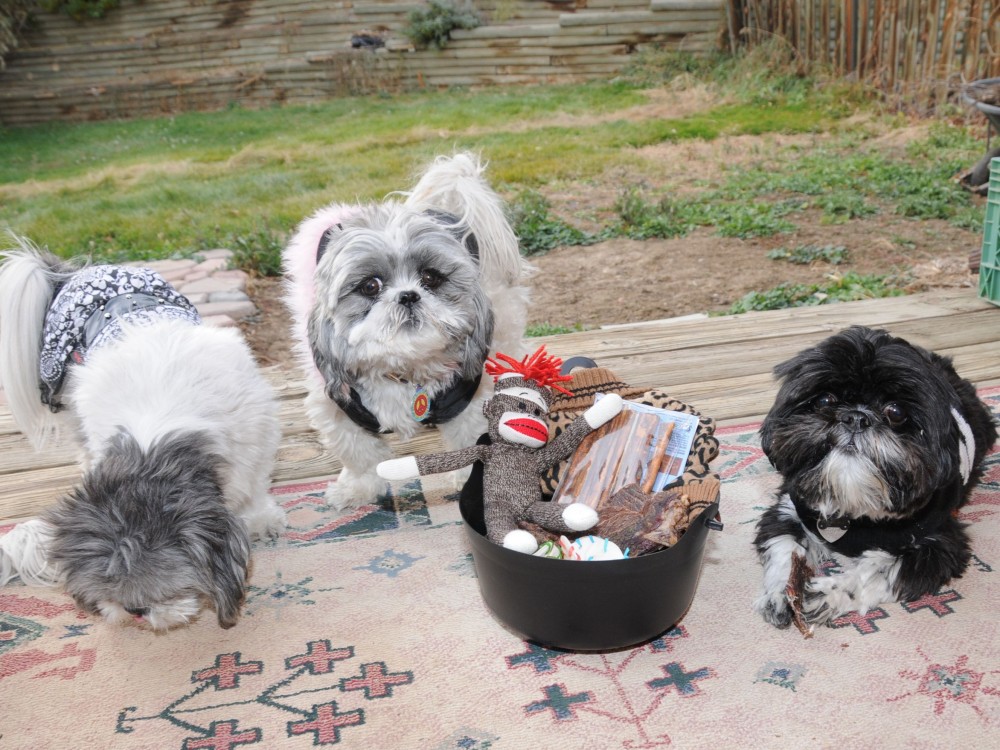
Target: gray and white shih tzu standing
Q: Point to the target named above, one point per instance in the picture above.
(395, 307)
(878, 443)
(177, 430)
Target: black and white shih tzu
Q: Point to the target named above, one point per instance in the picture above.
(878, 443)
(177, 430)
(395, 307)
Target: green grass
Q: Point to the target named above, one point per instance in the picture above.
(538, 231)
(846, 182)
(175, 185)
(804, 255)
(849, 287)
(549, 329)
(243, 179)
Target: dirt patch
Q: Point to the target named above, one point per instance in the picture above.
(625, 281)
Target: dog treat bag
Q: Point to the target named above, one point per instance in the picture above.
(643, 445)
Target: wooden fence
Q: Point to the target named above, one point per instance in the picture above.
(918, 51)
(164, 56)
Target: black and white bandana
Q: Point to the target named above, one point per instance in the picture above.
(90, 309)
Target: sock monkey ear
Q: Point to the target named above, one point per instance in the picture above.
(455, 225)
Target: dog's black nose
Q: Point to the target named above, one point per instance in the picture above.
(855, 420)
(409, 298)
(137, 611)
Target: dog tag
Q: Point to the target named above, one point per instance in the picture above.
(421, 406)
(832, 530)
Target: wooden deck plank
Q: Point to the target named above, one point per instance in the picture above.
(722, 365)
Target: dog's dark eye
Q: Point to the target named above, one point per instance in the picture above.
(431, 279)
(371, 287)
(894, 414)
(826, 401)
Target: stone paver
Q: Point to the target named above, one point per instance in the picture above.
(219, 292)
(215, 289)
(235, 310)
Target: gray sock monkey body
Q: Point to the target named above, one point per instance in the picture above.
(519, 454)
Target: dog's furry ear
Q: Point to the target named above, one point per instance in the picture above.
(229, 560)
(766, 432)
(480, 341)
(977, 416)
(458, 229)
(785, 374)
(328, 362)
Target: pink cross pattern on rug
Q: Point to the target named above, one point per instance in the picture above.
(227, 671)
(376, 680)
(865, 623)
(320, 657)
(223, 737)
(325, 723)
(936, 603)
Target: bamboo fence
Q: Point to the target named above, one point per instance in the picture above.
(916, 51)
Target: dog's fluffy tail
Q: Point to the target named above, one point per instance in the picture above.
(24, 554)
(28, 279)
(456, 184)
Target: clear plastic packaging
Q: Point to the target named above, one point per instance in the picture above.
(644, 445)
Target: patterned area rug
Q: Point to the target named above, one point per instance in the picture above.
(368, 631)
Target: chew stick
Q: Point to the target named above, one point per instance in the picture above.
(658, 454)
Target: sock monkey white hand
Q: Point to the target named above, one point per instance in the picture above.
(519, 453)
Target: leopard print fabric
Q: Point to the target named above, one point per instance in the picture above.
(704, 448)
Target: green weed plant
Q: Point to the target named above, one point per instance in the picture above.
(806, 255)
(849, 287)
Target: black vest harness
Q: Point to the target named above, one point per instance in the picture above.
(863, 534)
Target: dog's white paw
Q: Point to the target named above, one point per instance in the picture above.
(580, 517)
(825, 599)
(773, 606)
(519, 540)
(268, 522)
(354, 490)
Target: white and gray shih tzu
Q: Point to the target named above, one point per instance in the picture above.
(878, 443)
(177, 430)
(396, 306)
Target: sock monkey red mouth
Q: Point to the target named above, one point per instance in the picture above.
(531, 428)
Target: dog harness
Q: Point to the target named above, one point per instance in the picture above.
(854, 536)
(447, 404)
(91, 308)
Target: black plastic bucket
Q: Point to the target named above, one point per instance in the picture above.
(585, 606)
